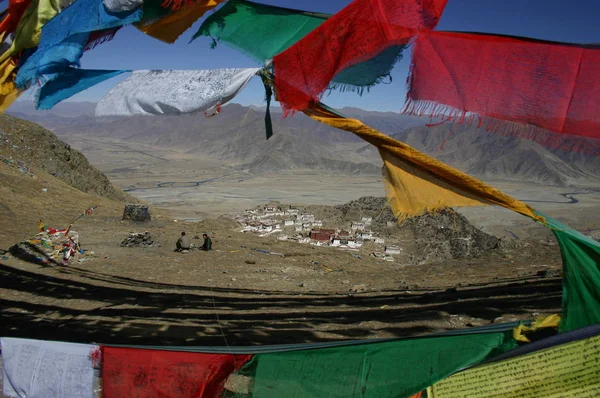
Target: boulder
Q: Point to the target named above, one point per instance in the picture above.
(137, 213)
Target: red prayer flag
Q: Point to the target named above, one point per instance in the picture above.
(520, 87)
(16, 9)
(355, 34)
(100, 36)
(130, 372)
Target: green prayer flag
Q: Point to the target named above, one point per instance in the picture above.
(581, 280)
(261, 32)
(395, 368)
(370, 72)
(152, 11)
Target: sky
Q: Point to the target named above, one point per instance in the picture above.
(574, 21)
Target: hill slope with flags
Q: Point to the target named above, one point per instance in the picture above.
(41, 177)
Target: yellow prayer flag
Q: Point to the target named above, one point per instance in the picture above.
(8, 90)
(169, 28)
(567, 370)
(417, 183)
(552, 321)
(29, 29)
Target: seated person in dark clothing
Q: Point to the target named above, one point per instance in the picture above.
(183, 243)
(207, 243)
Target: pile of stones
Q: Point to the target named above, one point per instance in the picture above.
(139, 239)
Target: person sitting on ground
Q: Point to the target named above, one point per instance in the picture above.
(183, 243)
(207, 245)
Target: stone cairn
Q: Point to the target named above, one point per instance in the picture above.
(137, 213)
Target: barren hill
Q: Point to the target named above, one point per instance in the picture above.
(27, 142)
(42, 177)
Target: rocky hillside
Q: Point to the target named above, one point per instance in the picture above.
(42, 178)
(432, 237)
(34, 146)
(488, 155)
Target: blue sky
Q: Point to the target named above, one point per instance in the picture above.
(558, 20)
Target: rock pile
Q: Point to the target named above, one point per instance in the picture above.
(139, 239)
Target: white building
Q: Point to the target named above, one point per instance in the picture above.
(357, 226)
(379, 241)
(266, 228)
(317, 223)
(298, 228)
(365, 235)
(354, 244)
(367, 220)
(306, 217)
(252, 226)
(304, 240)
(391, 224)
(289, 223)
(269, 226)
(392, 250)
(291, 212)
(282, 237)
(341, 240)
(307, 226)
(346, 243)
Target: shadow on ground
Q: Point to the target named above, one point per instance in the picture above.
(107, 309)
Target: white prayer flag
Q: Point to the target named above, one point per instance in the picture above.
(173, 92)
(46, 369)
(121, 5)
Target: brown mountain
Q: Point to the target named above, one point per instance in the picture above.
(488, 155)
(237, 135)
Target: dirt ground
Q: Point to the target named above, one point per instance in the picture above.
(236, 295)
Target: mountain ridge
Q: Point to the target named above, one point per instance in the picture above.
(237, 135)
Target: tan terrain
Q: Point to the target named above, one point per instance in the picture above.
(236, 295)
(240, 296)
